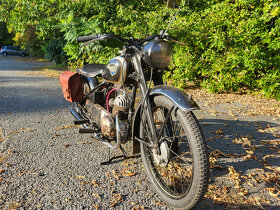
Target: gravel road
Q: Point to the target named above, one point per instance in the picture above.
(46, 164)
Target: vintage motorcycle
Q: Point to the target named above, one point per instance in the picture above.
(116, 103)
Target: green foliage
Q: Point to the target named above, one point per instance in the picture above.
(54, 52)
(231, 44)
(5, 36)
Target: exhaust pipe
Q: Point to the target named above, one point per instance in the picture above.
(75, 114)
(80, 120)
(118, 143)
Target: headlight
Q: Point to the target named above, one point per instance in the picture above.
(157, 53)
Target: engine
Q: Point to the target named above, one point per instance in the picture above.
(120, 106)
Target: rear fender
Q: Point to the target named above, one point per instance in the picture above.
(179, 98)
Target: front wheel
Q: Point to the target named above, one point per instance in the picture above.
(179, 171)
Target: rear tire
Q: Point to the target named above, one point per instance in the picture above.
(4, 54)
(180, 184)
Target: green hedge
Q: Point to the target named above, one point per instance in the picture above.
(231, 44)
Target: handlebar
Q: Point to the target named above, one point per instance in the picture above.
(87, 38)
(91, 38)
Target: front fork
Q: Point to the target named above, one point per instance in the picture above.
(136, 60)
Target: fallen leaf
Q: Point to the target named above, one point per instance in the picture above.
(80, 177)
(14, 205)
(10, 152)
(273, 191)
(96, 195)
(117, 198)
(28, 130)
(218, 132)
(138, 208)
(1, 132)
(159, 203)
(128, 173)
(95, 183)
(66, 127)
(3, 158)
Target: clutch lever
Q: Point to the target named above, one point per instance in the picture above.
(93, 40)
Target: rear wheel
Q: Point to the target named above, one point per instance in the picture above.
(4, 54)
(179, 173)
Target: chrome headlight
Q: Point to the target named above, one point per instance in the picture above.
(157, 53)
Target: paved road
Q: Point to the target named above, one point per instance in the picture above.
(46, 164)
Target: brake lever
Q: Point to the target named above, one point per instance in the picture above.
(181, 43)
(174, 39)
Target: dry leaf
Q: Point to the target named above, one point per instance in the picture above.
(66, 127)
(3, 158)
(117, 198)
(273, 191)
(96, 195)
(14, 205)
(95, 183)
(138, 208)
(80, 177)
(159, 203)
(127, 173)
(10, 152)
(1, 132)
(219, 132)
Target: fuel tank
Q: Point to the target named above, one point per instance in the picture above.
(117, 70)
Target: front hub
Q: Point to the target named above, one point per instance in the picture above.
(162, 158)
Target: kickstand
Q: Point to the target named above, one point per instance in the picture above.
(124, 156)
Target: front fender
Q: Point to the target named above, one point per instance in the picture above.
(179, 98)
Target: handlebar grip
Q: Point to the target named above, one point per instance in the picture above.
(86, 38)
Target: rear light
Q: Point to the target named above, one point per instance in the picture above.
(1, 50)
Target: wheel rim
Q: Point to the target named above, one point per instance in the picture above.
(175, 177)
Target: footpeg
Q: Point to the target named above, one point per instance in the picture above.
(86, 130)
(80, 122)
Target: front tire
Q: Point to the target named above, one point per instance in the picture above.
(179, 174)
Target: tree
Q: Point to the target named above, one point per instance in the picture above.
(5, 36)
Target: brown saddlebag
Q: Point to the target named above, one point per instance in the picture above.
(71, 86)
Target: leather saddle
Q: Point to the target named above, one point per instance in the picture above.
(92, 70)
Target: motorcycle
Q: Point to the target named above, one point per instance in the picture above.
(161, 124)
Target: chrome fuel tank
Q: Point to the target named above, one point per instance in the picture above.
(117, 70)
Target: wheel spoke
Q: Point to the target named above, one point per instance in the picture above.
(176, 175)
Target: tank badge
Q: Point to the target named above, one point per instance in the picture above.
(112, 68)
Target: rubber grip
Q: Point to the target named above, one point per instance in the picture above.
(86, 38)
